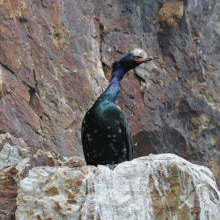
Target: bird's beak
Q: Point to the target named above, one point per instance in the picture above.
(144, 60)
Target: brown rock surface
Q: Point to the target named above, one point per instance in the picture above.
(52, 57)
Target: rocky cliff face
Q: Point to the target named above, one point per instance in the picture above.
(55, 59)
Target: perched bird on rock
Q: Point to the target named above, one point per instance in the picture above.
(106, 136)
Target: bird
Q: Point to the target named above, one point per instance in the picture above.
(105, 133)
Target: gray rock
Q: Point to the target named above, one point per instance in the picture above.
(159, 187)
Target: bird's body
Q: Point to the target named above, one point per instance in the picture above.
(106, 136)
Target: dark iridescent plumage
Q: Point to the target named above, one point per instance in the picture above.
(106, 136)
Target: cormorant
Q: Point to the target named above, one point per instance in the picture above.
(106, 136)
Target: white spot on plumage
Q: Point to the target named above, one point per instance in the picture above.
(114, 135)
(111, 146)
(119, 131)
(88, 136)
(109, 127)
(95, 131)
(109, 136)
(124, 151)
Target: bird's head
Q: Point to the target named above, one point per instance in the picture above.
(127, 63)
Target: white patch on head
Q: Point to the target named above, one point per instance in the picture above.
(145, 71)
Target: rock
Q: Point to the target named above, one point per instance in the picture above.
(161, 186)
(15, 164)
(49, 56)
(61, 193)
(169, 15)
(10, 139)
(55, 59)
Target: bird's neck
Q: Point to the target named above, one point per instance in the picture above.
(111, 93)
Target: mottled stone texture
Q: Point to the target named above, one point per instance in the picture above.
(16, 160)
(55, 57)
(157, 187)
